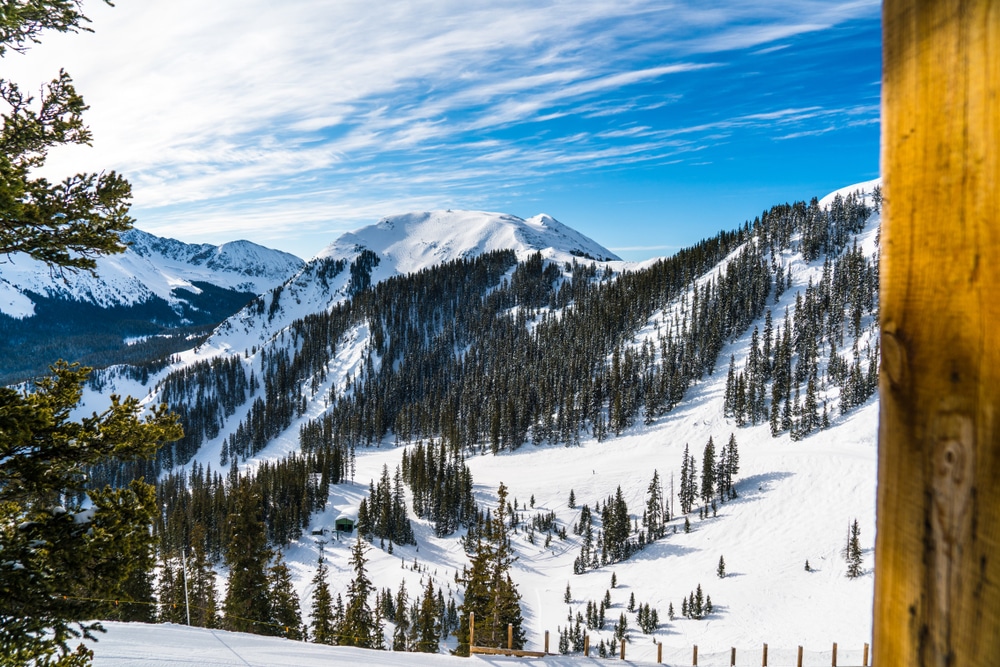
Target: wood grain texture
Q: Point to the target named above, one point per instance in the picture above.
(937, 555)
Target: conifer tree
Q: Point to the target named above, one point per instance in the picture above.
(721, 570)
(490, 592)
(656, 511)
(324, 624)
(428, 627)
(247, 602)
(56, 552)
(708, 471)
(358, 628)
(203, 597)
(401, 620)
(285, 614)
(854, 552)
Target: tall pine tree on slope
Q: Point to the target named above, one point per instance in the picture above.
(490, 593)
(358, 629)
(247, 604)
(324, 627)
(284, 602)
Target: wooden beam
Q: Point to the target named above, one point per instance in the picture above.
(937, 554)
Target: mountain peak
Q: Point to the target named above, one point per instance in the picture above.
(416, 240)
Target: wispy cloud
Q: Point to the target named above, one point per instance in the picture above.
(264, 116)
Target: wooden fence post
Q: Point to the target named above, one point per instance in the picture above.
(546, 641)
(472, 630)
(864, 663)
(622, 656)
(937, 574)
(834, 663)
(799, 663)
(510, 635)
(586, 646)
(659, 653)
(763, 661)
(694, 656)
(732, 657)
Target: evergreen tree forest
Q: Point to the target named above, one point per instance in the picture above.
(485, 355)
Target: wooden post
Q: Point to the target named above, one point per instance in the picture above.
(472, 630)
(694, 656)
(622, 655)
(546, 642)
(659, 653)
(763, 661)
(834, 663)
(510, 635)
(586, 646)
(799, 663)
(732, 657)
(937, 572)
(864, 662)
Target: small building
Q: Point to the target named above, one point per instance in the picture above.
(346, 521)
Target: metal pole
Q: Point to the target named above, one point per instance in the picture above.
(184, 569)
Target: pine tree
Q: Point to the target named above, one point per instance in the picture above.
(428, 627)
(202, 593)
(854, 552)
(401, 620)
(45, 456)
(489, 591)
(247, 602)
(324, 625)
(285, 615)
(656, 512)
(358, 628)
(721, 570)
(708, 472)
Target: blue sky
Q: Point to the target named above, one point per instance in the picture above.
(647, 125)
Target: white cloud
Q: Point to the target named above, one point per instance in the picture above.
(320, 110)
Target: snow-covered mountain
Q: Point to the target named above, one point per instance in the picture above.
(413, 241)
(798, 488)
(151, 268)
(145, 303)
(399, 245)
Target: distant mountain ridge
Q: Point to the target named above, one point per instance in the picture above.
(143, 303)
(151, 267)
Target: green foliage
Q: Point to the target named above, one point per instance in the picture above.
(247, 602)
(66, 225)
(284, 602)
(428, 630)
(358, 628)
(60, 541)
(324, 626)
(490, 593)
(854, 554)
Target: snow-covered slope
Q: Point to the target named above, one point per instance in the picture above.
(151, 267)
(796, 501)
(402, 244)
